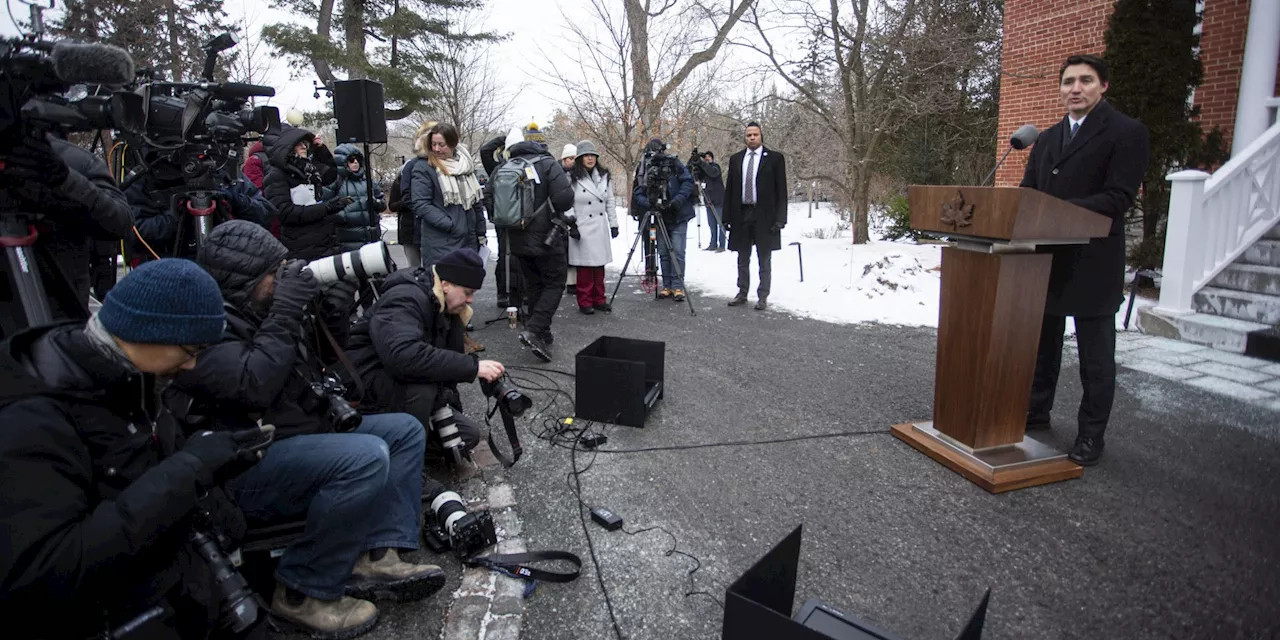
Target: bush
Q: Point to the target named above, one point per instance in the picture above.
(897, 216)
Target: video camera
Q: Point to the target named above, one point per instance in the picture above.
(657, 168)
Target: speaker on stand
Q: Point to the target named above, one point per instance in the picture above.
(358, 107)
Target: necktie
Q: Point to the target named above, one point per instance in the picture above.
(750, 177)
(1075, 126)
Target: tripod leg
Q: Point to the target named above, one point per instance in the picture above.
(623, 274)
(688, 297)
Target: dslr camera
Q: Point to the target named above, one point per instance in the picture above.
(326, 395)
(510, 398)
(563, 225)
(448, 525)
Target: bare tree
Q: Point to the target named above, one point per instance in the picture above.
(252, 61)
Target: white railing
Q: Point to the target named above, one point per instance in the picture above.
(1214, 219)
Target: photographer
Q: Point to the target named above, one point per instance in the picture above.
(540, 245)
(43, 174)
(676, 214)
(299, 167)
(409, 348)
(708, 176)
(359, 486)
(98, 489)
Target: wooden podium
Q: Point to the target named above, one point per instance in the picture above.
(992, 304)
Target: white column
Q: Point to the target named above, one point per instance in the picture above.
(1184, 243)
(1258, 74)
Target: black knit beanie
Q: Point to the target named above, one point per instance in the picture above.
(462, 267)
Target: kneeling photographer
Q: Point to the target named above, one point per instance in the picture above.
(112, 519)
(408, 349)
(357, 481)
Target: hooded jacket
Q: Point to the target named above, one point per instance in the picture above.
(255, 166)
(357, 225)
(307, 230)
(95, 497)
(409, 338)
(553, 189)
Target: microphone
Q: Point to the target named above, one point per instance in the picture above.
(1024, 137)
(242, 90)
(76, 63)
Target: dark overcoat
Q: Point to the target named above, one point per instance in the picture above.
(771, 201)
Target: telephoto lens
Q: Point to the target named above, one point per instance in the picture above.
(450, 526)
(445, 422)
(373, 259)
(238, 606)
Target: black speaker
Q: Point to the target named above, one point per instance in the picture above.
(358, 107)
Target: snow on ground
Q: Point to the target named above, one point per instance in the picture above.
(891, 282)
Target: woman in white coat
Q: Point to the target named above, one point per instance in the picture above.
(597, 225)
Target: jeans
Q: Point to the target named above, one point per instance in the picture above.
(1096, 341)
(359, 491)
(544, 287)
(719, 237)
(673, 257)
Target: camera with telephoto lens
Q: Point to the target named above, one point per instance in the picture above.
(238, 607)
(356, 266)
(445, 423)
(448, 525)
(326, 395)
(509, 397)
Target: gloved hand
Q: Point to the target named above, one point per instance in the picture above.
(296, 287)
(34, 160)
(339, 298)
(448, 396)
(777, 226)
(674, 206)
(338, 204)
(227, 454)
(613, 232)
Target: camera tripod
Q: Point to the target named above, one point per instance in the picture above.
(651, 218)
(18, 237)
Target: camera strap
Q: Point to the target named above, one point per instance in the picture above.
(346, 362)
(517, 565)
(508, 423)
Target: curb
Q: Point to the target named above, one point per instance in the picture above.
(489, 605)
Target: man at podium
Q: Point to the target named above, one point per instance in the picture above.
(1095, 157)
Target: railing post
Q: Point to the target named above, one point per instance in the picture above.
(1185, 238)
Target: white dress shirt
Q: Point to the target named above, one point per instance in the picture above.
(746, 164)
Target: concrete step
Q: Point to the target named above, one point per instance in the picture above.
(1263, 252)
(1225, 334)
(1241, 305)
(1249, 277)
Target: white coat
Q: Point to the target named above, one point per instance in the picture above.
(593, 204)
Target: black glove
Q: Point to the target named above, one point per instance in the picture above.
(777, 226)
(613, 232)
(34, 160)
(227, 454)
(296, 287)
(448, 396)
(673, 206)
(338, 204)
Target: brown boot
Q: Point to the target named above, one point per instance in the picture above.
(469, 344)
(393, 579)
(664, 293)
(323, 619)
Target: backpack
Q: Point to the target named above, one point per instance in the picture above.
(513, 192)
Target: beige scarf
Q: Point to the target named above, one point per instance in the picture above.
(458, 178)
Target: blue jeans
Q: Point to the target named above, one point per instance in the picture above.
(359, 491)
(719, 237)
(679, 238)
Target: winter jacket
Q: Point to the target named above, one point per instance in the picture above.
(255, 166)
(357, 225)
(95, 497)
(158, 223)
(714, 180)
(679, 190)
(407, 232)
(552, 196)
(293, 185)
(443, 228)
(407, 337)
(596, 212)
(84, 208)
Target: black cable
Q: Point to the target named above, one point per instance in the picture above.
(591, 548)
(675, 551)
(744, 443)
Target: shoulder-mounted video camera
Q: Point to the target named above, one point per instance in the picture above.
(657, 168)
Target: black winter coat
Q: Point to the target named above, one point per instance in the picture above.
(554, 187)
(356, 224)
(309, 231)
(408, 338)
(713, 176)
(771, 201)
(1100, 170)
(95, 502)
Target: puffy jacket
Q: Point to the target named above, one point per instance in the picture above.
(158, 223)
(307, 230)
(553, 189)
(356, 224)
(679, 189)
(407, 337)
(95, 501)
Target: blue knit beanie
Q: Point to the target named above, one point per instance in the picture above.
(169, 301)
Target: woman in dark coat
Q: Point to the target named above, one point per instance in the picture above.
(445, 194)
(299, 168)
(357, 224)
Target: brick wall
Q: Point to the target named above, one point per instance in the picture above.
(1038, 36)
(1222, 53)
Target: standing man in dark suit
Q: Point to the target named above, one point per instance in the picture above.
(755, 211)
(1094, 158)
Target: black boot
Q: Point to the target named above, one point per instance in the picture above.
(1087, 451)
(738, 300)
(537, 345)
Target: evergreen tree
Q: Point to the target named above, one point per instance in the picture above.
(1152, 56)
(165, 35)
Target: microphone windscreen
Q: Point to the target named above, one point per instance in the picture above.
(242, 90)
(77, 63)
(1024, 137)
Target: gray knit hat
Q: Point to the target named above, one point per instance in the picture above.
(587, 148)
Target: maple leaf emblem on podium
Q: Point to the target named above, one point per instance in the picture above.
(956, 213)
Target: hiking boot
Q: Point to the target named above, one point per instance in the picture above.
(323, 619)
(762, 304)
(587, 310)
(393, 579)
(677, 295)
(664, 293)
(469, 344)
(603, 307)
(537, 345)
(738, 300)
(710, 247)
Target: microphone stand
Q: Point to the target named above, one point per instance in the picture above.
(997, 167)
